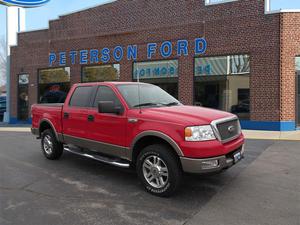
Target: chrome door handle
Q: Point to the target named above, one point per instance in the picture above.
(132, 120)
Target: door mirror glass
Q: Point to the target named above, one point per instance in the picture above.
(109, 107)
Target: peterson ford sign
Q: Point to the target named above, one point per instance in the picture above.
(24, 3)
(166, 50)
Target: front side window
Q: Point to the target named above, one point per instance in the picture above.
(81, 97)
(106, 94)
(54, 84)
(101, 73)
(146, 95)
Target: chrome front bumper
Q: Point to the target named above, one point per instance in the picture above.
(209, 165)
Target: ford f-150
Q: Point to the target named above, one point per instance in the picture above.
(141, 126)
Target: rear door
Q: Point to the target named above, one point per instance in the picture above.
(75, 114)
(107, 129)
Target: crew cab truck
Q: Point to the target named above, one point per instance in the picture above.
(139, 125)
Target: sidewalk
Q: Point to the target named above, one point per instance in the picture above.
(266, 192)
(272, 135)
(4, 127)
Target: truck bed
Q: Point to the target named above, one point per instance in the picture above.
(50, 111)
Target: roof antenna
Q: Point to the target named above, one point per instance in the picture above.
(139, 90)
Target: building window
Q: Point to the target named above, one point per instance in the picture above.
(101, 73)
(162, 73)
(223, 83)
(23, 82)
(239, 64)
(54, 84)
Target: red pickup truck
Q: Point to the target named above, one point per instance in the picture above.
(139, 125)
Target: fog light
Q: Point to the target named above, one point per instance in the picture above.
(210, 164)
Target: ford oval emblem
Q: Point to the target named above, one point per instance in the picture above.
(24, 3)
(231, 129)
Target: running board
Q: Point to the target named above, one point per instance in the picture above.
(111, 161)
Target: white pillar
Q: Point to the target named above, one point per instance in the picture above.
(267, 6)
(15, 22)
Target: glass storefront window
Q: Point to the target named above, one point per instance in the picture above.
(101, 73)
(239, 64)
(211, 66)
(223, 83)
(162, 73)
(23, 83)
(222, 65)
(54, 84)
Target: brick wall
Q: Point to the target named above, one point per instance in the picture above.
(232, 28)
(290, 48)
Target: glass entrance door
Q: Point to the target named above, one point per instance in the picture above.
(23, 83)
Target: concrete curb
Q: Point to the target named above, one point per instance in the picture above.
(272, 135)
(15, 129)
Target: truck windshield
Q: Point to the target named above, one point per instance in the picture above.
(150, 96)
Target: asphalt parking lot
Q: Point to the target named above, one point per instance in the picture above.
(75, 190)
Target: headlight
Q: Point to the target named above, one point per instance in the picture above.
(199, 133)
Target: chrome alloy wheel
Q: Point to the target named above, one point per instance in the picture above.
(48, 144)
(155, 171)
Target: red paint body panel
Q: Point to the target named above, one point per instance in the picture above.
(116, 130)
(107, 128)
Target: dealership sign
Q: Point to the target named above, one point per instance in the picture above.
(24, 3)
(164, 50)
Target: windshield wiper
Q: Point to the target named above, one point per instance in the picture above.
(146, 104)
(172, 103)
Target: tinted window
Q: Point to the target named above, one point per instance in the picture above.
(81, 96)
(106, 94)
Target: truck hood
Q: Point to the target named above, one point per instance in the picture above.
(184, 115)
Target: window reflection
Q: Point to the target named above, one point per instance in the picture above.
(54, 84)
(162, 73)
(223, 83)
(101, 73)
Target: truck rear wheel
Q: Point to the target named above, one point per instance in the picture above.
(159, 170)
(51, 147)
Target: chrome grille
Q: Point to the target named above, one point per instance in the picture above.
(227, 129)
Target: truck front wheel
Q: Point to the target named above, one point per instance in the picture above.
(51, 148)
(159, 170)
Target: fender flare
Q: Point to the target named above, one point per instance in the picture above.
(51, 125)
(159, 135)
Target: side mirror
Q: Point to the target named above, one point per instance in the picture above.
(109, 107)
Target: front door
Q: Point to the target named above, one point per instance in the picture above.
(108, 130)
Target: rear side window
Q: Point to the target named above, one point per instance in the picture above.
(106, 94)
(81, 96)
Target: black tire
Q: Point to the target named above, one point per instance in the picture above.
(168, 160)
(56, 147)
